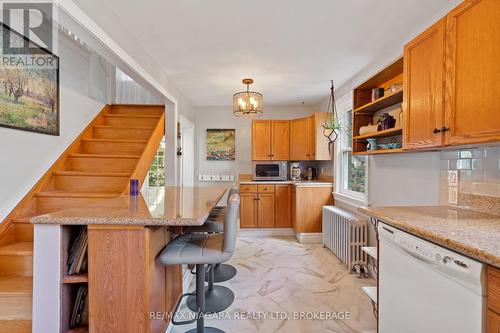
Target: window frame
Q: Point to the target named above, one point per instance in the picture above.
(345, 105)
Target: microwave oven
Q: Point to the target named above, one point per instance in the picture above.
(270, 170)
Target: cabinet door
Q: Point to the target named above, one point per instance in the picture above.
(282, 206)
(265, 215)
(280, 140)
(424, 88)
(248, 210)
(309, 202)
(472, 73)
(261, 140)
(493, 322)
(299, 139)
(321, 148)
(312, 138)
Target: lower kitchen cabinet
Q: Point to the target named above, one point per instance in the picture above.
(493, 316)
(493, 322)
(282, 206)
(248, 210)
(307, 207)
(265, 210)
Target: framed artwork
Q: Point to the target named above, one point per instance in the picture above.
(221, 145)
(29, 86)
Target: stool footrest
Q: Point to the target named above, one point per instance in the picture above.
(184, 322)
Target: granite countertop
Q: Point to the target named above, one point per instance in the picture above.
(468, 232)
(165, 206)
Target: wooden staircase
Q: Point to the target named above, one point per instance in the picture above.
(117, 145)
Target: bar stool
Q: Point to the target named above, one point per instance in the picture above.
(203, 249)
(221, 272)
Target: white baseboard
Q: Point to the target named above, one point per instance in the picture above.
(270, 232)
(309, 238)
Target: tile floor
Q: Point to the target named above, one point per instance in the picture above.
(278, 277)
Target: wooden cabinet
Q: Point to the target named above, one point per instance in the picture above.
(308, 205)
(270, 140)
(472, 72)
(248, 210)
(451, 79)
(493, 320)
(261, 140)
(265, 210)
(282, 206)
(257, 206)
(423, 88)
(300, 136)
(280, 140)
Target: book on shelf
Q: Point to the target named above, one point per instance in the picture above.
(77, 261)
(79, 315)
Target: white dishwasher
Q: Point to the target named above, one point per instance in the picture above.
(424, 288)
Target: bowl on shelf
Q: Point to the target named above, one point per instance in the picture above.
(372, 144)
(393, 145)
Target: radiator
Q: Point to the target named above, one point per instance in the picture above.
(344, 234)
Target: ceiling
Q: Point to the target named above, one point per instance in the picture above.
(292, 49)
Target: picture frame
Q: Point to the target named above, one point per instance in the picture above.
(30, 98)
(221, 144)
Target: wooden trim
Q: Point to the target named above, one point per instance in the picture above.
(148, 154)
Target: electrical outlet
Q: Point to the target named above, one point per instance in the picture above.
(453, 178)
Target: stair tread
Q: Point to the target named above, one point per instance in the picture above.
(17, 248)
(115, 140)
(88, 173)
(128, 115)
(16, 285)
(78, 194)
(125, 127)
(103, 155)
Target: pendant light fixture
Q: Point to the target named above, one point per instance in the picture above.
(247, 103)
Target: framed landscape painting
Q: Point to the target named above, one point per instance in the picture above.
(221, 145)
(29, 86)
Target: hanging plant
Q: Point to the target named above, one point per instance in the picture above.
(331, 126)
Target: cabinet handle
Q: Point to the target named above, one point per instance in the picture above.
(436, 131)
(444, 129)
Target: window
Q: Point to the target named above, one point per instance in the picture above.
(351, 168)
(156, 173)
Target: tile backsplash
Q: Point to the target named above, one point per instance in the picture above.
(470, 178)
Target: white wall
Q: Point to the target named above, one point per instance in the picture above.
(25, 156)
(222, 117)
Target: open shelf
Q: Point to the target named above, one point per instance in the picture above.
(379, 151)
(387, 100)
(371, 292)
(371, 251)
(380, 134)
(76, 278)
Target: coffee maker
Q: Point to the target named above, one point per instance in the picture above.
(295, 171)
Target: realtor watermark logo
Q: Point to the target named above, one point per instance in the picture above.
(29, 35)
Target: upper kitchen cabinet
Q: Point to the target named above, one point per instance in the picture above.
(300, 139)
(270, 140)
(451, 79)
(307, 141)
(472, 73)
(423, 88)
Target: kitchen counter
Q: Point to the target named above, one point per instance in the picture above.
(301, 183)
(166, 206)
(468, 232)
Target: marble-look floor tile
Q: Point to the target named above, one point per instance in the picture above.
(281, 283)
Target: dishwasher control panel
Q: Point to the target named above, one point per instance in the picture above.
(424, 250)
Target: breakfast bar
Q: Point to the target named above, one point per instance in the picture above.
(129, 290)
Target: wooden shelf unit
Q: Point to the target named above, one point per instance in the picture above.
(366, 111)
(70, 283)
(381, 134)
